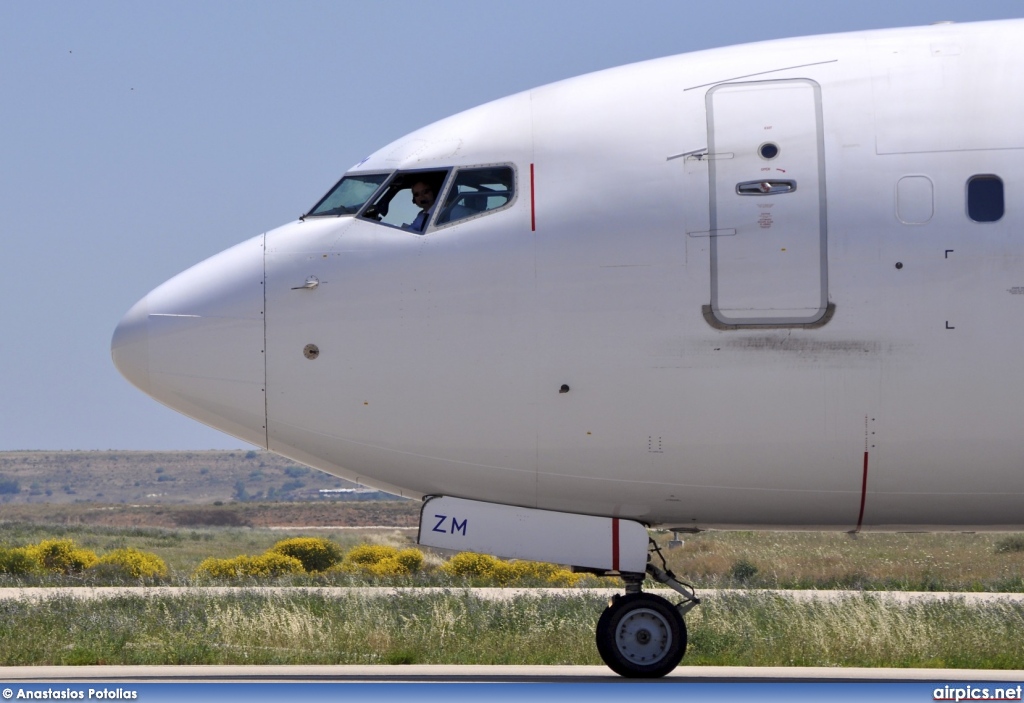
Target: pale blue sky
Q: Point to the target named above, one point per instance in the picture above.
(139, 138)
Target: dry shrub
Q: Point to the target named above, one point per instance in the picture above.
(382, 561)
(274, 564)
(132, 563)
(223, 517)
(315, 553)
(299, 555)
(215, 568)
(17, 561)
(370, 553)
(743, 570)
(470, 565)
(1007, 545)
(504, 573)
(266, 565)
(410, 559)
(62, 556)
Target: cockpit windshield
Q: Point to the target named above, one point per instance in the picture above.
(423, 199)
(408, 201)
(348, 195)
(477, 191)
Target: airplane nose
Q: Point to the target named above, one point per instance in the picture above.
(195, 343)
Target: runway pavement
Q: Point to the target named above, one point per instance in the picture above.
(418, 673)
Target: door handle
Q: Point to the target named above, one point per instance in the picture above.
(765, 187)
(311, 283)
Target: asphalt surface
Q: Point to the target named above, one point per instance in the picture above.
(419, 673)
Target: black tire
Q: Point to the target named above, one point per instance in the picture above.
(640, 635)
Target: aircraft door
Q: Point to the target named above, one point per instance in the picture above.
(767, 200)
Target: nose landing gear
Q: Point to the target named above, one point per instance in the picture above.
(641, 635)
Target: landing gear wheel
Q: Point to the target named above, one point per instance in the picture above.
(641, 635)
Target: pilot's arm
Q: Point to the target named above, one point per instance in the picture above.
(418, 224)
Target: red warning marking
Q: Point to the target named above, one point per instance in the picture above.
(615, 544)
(533, 206)
(863, 492)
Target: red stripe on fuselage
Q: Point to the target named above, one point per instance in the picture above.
(615, 544)
(863, 492)
(533, 206)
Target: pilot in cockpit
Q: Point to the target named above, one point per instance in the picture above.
(423, 196)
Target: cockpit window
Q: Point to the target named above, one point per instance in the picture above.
(411, 200)
(476, 191)
(348, 195)
(408, 201)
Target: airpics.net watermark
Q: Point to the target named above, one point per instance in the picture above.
(977, 693)
(71, 694)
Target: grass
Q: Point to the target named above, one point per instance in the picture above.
(146, 495)
(763, 629)
(778, 560)
(749, 628)
(870, 561)
(456, 627)
(322, 513)
(1012, 543)
(297, 629)
(184, 549)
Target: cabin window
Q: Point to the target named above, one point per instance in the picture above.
(348, 195)
(409, 200)
(476, 191)
(985, 198)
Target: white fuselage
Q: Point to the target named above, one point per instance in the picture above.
(842, 354)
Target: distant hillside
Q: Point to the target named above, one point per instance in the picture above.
(147, 478)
